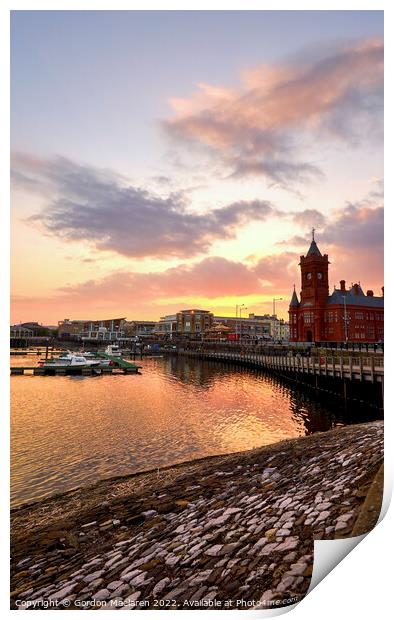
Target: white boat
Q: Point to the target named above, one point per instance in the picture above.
(114, 350)
(92, 357)
(70, 359)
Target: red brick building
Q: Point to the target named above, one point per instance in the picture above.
(347, 315)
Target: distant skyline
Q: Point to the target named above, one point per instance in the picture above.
(164, 160)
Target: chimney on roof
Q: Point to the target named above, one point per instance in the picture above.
(369, 293)
(343, 286)
(356, 289)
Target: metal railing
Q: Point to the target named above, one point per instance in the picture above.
(361, 368)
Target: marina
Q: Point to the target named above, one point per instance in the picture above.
(88, 364)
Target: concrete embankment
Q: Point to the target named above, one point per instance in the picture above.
(221, 532)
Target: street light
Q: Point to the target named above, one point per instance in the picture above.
(240, 316)
(273, 303)
(237, 306)
(273, 307)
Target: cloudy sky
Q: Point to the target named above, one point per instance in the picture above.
(163, 160)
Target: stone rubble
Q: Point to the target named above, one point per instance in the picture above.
(245, 531)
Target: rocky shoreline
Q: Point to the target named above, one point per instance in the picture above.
(222, 532)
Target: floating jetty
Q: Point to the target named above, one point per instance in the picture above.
(120, 367)
(118, 361)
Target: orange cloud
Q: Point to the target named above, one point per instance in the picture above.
(254, 130)
(212, 279)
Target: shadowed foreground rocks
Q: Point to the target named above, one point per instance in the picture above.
(221, 532)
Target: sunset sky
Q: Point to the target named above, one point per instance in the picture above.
(166, 160)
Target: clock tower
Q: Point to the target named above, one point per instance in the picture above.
(307, 315)
(314, 276)
(347, 315)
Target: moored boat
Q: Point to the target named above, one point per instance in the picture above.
(70, 359)
(114, 350)
(92, 357)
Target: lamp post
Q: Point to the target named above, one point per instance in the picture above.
(237, 307)
(273, 303)
(242, 307)
(273, 307)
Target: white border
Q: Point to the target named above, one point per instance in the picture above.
(360, 585)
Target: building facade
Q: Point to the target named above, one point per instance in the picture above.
(345, 315)
(107, 330)
(18, 331)
(167, 326)
(276, 328)
(251, 327)
(139, 329)
(194, 322)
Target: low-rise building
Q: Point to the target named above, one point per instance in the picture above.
(139, 329)
(279, 329)
(107, 330)
(18, 331)
(194, 322)
(251, 327)
(283, 331)
(167, 326)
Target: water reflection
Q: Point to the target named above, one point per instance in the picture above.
(71, 431)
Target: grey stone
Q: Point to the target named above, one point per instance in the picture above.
(92, 576)
(61, 594)
(113, 560)
(213, 551)
(138, 580)
(115, 584)
(159, 587)
(121, 590)
(102, 595)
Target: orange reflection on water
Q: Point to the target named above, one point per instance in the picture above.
(72, 431)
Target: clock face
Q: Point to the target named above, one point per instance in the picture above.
(309, 276)
(320, 275)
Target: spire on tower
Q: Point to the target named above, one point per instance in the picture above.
(313, 249)
(294, 299)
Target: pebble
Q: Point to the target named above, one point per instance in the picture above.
(89, 525)
(102, 595)
(214, 551)
(115, 584)
(159, 587)
(61, 594)
(93, 576)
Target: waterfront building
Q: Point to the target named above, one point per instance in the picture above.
(345, 315)
(283, 330)
(19, 331)
(139, 329)
(167, 325)
(31, 329)
(107, 330)
(279, 329)
(251, 327)
(193, 322)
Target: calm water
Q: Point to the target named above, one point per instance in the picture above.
(72, 431)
